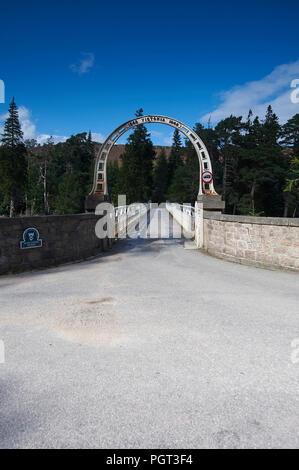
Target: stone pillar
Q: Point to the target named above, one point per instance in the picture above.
(205, 203)
(92, 200)
(211, 202)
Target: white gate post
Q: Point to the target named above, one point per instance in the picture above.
(198, 229)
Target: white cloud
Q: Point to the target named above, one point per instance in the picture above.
(160, 137)
(42, 138)
(84, 65)
(274, 89)
(97, 137)
(156, 133)
(29, 127)
(168, 140)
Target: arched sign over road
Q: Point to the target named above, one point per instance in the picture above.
(100, 187)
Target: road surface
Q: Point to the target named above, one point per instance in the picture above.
(150, 345)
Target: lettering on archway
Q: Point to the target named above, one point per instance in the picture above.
(100, 186)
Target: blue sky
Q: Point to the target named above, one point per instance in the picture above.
(75, 66)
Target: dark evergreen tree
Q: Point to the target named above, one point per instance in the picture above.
(34, 190)
(75, 156)
(185, 182)
(228, 133)
(293, 182)
(160, 178)
(12, 135)
(136, 172)
(184, 187)
(290, 134)
(263, 167)
(273, 166)
(113, 181)
(175, 157)
(70, 197)
(13, 166)
(290, 141)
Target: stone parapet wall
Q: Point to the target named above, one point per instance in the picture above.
(261, 241)
(64, 238)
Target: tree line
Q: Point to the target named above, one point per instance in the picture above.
(255, 167)
(43, 179)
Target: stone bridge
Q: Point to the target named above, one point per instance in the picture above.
(150, 342)
(260, 241)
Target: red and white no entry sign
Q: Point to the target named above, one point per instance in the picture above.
(206, 176)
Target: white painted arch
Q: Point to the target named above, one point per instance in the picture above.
(100, 185)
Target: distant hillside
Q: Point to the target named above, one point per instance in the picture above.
(115, 153)
(118, 149)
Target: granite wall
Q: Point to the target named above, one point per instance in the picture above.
(64, 238)
(261, 241)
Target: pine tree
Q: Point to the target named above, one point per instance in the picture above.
(290, 139)
(290, 134)
(175, 157)
(12, 135)
(160, 178)
(113, 179)
(184, 186)
(262, 167)
(273, 166)
(136, 172)
(70, 197)
(228, 133)
(76, 157)
(34, 190)
(13, 166)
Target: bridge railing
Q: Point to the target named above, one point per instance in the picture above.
(125, 216)
(184, 214)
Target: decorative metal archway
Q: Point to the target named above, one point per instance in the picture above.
(100, 186)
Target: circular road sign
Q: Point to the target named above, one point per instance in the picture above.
(206, 176)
